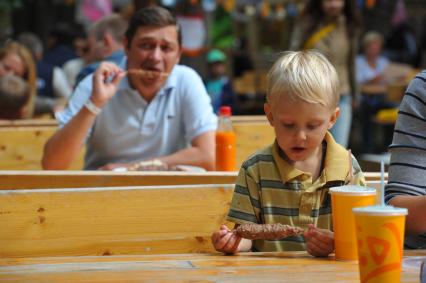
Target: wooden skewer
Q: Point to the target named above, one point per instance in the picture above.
(147, 73)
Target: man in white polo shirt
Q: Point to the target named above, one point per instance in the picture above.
(155, 109)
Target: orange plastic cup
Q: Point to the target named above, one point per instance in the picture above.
(380, 239)
(225, 151)
(343, 200)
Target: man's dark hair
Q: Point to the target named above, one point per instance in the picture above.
(151, 17)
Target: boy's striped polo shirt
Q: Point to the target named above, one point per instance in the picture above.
(270, 190)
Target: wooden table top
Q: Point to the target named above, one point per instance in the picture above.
(246, 267)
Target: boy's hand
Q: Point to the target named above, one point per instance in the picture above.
(225, 241)
(319, 242)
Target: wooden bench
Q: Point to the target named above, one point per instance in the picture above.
(111, 221)
(21, 147)
(36, 179)
(22, 142)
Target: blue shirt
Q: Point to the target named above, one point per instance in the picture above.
(129, 129)
(365, 73)
(115, 58)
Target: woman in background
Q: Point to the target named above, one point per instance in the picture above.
(16, 60)
(332, 27)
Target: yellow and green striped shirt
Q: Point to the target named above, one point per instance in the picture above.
(270, 190)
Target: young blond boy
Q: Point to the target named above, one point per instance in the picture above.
(288, 182)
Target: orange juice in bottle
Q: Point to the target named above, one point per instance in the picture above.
(225, 142)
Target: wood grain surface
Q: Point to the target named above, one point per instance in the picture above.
(292, 267)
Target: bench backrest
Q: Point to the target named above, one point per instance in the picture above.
(37, 179)
(112, 220)
(106, 221)
(22, 142)
(21, 148)
(18, 180)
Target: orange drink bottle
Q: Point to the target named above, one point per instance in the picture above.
(225, 142)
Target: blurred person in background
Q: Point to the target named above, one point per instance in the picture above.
(59, 45)
(370, 68)
(371, 64)
(14, 95)
(218, 85)
(81, 48)
(105, 43)
(332, 27)
(53, 88)
(16, 59)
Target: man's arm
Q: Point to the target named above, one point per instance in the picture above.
(63, 147)
(416, 221)
(406, 180)
(202, 153)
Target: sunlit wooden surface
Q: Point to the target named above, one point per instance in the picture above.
(21, 147)
(22, 142)
(247, 267)
(37, 179)
(111, 221)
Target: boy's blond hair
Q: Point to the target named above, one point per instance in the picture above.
(305, 75)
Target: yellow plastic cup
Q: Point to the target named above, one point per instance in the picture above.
(343, 200)
(380, 239)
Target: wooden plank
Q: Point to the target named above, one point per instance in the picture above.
(21, 148)
(54, 123)
(14, 180)
(246, 267)
(18, 180)
(18, 153)
(21, 145)
(251, 137)
(29, 123)
(111, 221)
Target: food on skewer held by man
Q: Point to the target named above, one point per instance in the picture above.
(147, 73)
(267, 231)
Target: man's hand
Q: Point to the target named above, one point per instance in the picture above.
(319, 242)
(225, 241)
(105, 83)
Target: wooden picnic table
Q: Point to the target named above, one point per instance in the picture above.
(246, 267)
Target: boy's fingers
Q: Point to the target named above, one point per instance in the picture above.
(314, 244)
(232, 244)
(237, 243)
(323, 237)
(221, 242)
(224, 227)
(217, 235)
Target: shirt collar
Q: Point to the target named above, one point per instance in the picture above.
(336, 163)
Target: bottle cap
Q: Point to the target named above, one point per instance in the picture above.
(225, 111)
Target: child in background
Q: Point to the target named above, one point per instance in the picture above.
(14, 94)
(288, 181)
(218, 85)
